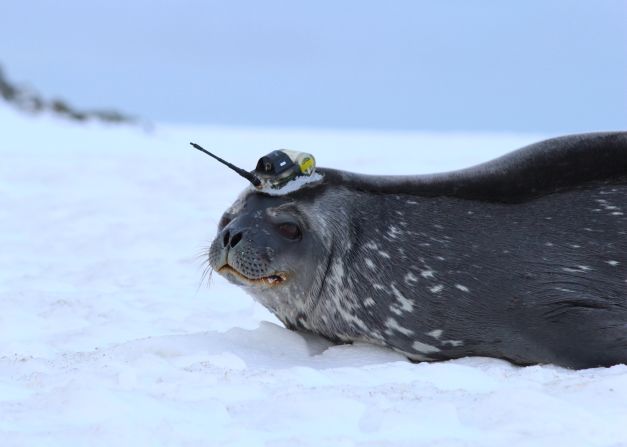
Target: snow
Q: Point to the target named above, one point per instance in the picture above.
(108, 336)
(291, 186)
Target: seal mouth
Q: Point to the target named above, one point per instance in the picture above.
(269, 281)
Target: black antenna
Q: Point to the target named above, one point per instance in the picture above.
(247, 175)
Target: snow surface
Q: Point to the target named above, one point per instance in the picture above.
(109, 337)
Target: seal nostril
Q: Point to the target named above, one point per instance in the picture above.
(236, 239)
(225, 239)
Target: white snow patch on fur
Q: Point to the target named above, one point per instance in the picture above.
(291, 186)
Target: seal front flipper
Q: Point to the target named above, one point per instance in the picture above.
(579, 330)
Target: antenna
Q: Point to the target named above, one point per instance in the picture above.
(247, 175)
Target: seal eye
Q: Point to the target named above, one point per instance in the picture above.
(289, 231)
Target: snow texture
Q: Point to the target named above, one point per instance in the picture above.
(291, 186)
(108, 337)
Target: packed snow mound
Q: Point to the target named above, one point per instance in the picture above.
(108, 335)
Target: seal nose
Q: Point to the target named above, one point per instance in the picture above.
(235, 239)
(229, 241)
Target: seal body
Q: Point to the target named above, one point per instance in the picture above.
(523, 258)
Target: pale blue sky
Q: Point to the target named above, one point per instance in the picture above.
(536, 65)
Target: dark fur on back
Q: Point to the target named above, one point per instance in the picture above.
(542, 168)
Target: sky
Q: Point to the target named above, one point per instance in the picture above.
(533, 66)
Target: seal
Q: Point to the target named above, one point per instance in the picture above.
(522, 258)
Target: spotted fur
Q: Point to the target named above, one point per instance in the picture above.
(523, 258)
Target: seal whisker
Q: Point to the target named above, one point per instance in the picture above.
(205, 277)
(203, 253)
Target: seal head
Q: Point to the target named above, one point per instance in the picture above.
(260, 245)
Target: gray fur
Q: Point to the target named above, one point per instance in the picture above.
(449, 272)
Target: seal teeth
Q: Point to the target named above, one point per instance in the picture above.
(270, 280)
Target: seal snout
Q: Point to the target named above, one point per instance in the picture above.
(237, 255)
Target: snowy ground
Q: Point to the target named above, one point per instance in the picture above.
(108, 338)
